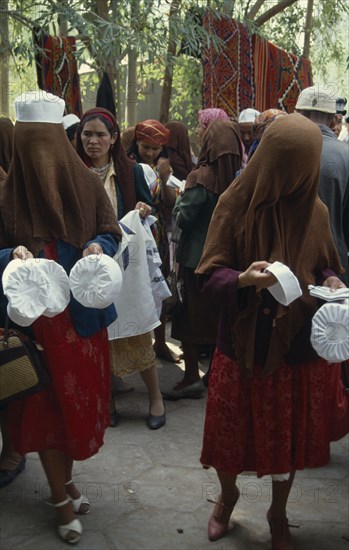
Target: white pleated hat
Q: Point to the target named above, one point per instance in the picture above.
(287, 289)
(39, 106)
(35, 287)
(330, 332)
(95, 281)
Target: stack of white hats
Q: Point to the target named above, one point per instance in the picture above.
(39, 106)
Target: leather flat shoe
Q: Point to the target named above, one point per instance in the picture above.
(194, 391)
(156, 422)
(7, 476)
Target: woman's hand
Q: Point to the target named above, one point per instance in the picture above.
(255, 276)
(21, 253)
(164, 169)
(333, 283)
(93, 248)
(144, 209)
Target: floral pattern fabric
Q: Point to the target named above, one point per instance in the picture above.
(275, 424)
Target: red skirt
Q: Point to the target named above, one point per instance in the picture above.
(276, 424)
(72, 414)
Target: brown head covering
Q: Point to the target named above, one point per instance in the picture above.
(122, 164)
(6, 145)
(127, 137)
(264, 119)
(219, 157)
(152, 132)
(179, 149)
(272, 212)
(50, 194)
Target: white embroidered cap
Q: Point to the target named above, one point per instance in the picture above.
(95, 281)
(39, 106)
(316, 98)
(248, 115)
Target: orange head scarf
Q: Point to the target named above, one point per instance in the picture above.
(152, 132)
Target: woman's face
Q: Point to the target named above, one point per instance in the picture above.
(148, 153)
(97, 141)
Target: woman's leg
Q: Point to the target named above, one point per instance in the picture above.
(191, 361)
(57, 470)
(161, 348)
(150, 378)
(219, 519)
(10, 460)
(281, 536)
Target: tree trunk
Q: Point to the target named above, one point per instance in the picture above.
(132, 88)
(168, 76)
(4, 62)
(109, 66)
(307, 30)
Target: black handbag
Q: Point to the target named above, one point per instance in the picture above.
(22, 367)
(174, 304)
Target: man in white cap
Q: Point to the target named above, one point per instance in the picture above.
(319, 105)
(246, 121)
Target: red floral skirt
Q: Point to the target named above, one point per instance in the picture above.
(72, 414)
(276, 424)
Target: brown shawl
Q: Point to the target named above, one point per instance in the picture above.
(219, 157)
(179, 149)
(122, 164)
(6, 142)
(272, 212)
(50, 194)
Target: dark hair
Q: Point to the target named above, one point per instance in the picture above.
(107, 123)
(71, 131)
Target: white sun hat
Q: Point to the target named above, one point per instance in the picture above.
(317, 98)
(330, 332)
(95, 281)
(287, 289)
(35, 287)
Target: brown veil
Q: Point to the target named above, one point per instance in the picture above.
(272, 212)
(50, 194)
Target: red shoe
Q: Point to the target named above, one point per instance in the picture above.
(281, 538)
(219, 520)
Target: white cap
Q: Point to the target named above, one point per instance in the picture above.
(39, 106)
(316, 98)
(95, 281)
(248, 115)
(70, 120)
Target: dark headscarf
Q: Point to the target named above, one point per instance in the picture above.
(179, 150)
(122, 164)
(219, 157)
(6, 142)
(50, 194)
(272, 212)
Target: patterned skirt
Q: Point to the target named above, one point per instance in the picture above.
(276, 424)
(72, 414)
(132, 354)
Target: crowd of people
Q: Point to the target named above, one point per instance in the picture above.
(263, 187)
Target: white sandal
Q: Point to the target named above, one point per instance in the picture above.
(70, 532)
(78, 502)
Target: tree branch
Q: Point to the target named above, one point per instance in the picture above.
(254, 10)
(281, 6)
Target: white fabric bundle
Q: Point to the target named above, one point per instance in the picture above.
(330, 332)
(287, 289)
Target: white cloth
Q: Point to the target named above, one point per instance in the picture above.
(96, 281)
(324, 293)
(135, 304)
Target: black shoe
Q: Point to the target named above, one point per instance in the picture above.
(194, 391)
(114, 419)
(156, 422)
(7, 476)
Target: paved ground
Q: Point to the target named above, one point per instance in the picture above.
(148, 491)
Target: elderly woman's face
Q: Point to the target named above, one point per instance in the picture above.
(148, 153)
(97, 141)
